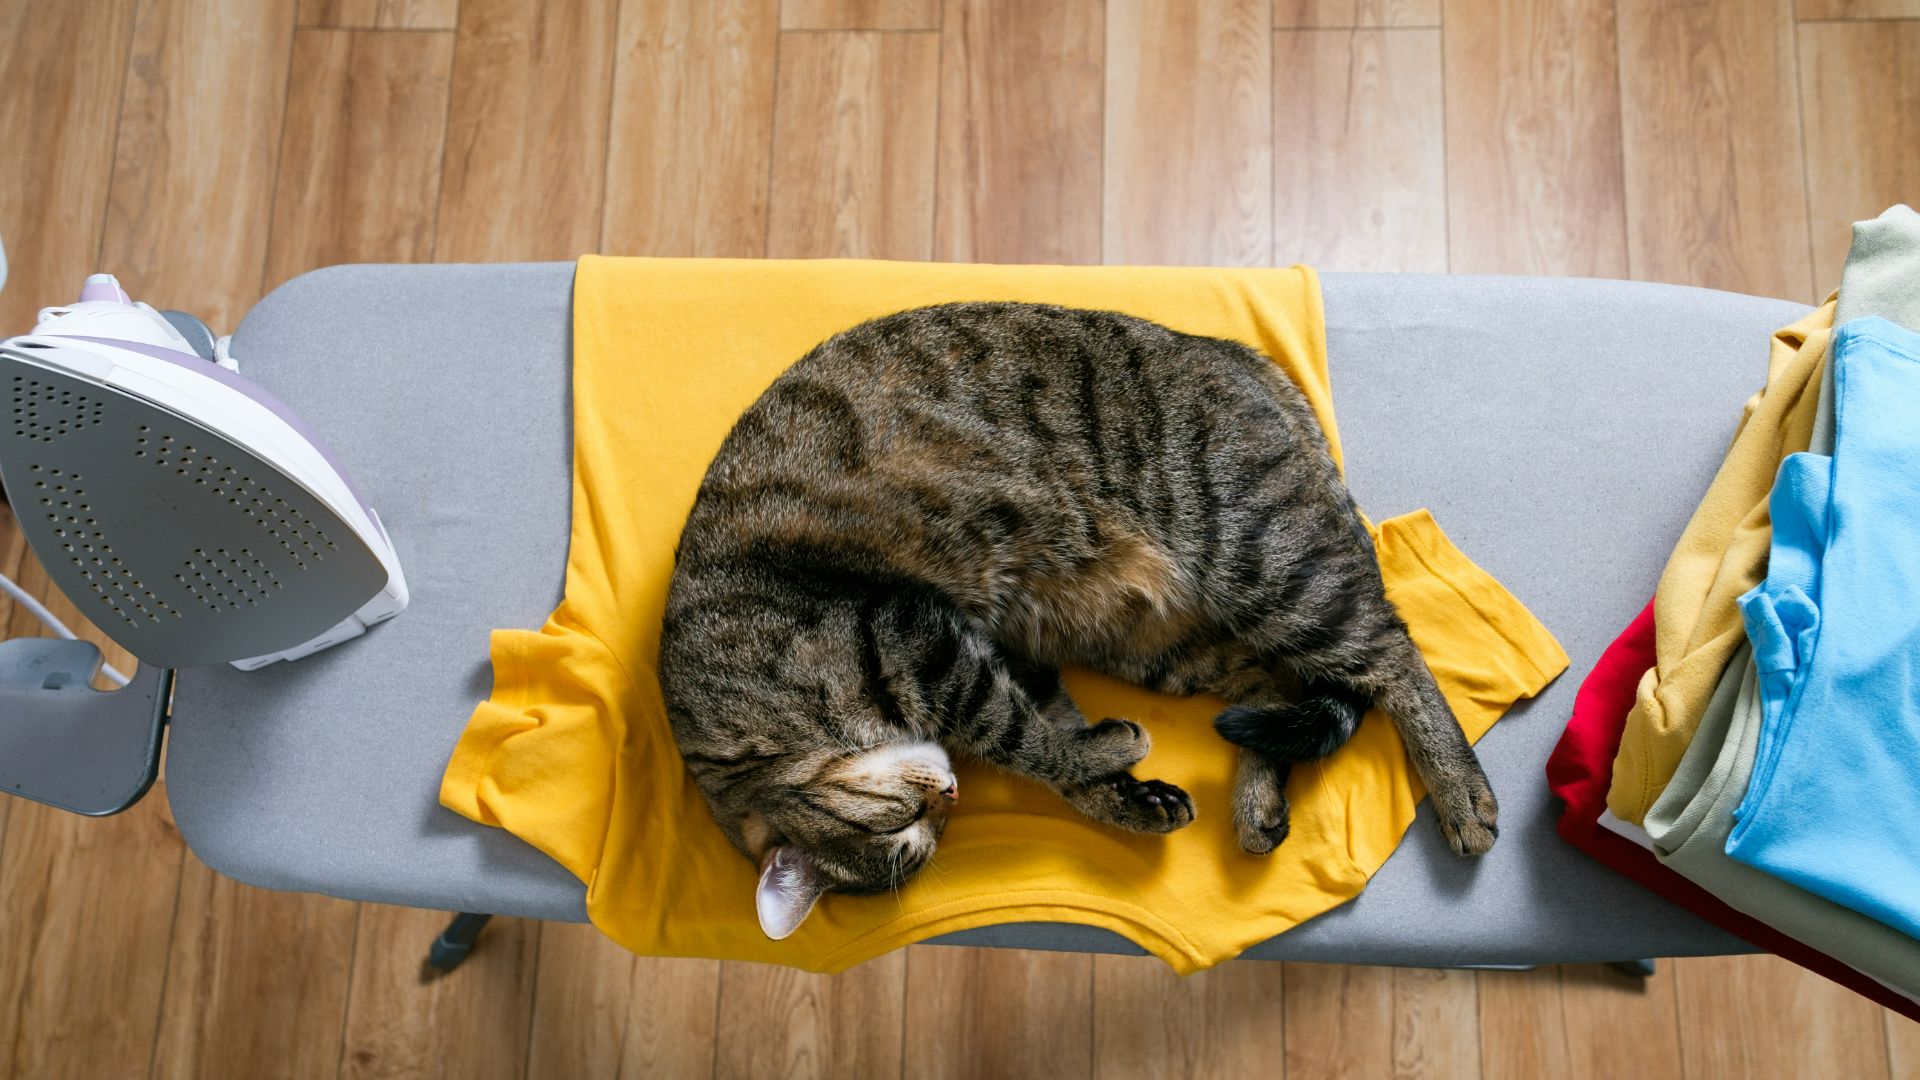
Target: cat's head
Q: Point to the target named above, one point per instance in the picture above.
(856, 822)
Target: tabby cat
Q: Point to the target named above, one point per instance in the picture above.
(907, 535)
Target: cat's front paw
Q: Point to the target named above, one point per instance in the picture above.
(1147, 806)
(1113, 746)
(1469, 816)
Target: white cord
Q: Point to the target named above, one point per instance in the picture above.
(54, 624)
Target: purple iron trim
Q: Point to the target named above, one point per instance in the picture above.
(234, 382)
(103, 290)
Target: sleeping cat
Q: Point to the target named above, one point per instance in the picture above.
(902, 541)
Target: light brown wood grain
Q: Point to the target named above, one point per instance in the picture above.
(1860, 93)
(1020, 132)
(471, 1023)
(1710, 125)
(1330, 14)
(1578, 1021)
(1339, 1021)
(200, 126)
(1359, 179)
(601, 1011)
(1435, 1023)
(777, 1021)
(859, 14)
(582, 987)
(1533, 139)
(1523, 1029)
(1858, 9)
(998, 1012)
(691, 128)
(380, 14)
(526, 162)
(1151, 1023)
(1760, 1016)
(256, 983)
(673, 1018)
(1903, 1046)
(360, 160)
(64, 66)
(1189, 167)
(85, 909)
(853, 146)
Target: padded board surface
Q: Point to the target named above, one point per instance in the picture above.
(1561, 431)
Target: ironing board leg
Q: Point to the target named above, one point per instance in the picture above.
(456, 941)
(1639, 968)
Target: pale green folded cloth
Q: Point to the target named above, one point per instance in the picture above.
(1882, 277)
(1690, 821)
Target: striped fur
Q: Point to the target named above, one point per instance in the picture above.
(919, 522)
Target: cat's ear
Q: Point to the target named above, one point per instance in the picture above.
(789, 885)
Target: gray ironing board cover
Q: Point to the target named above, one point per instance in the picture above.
(1561, 431)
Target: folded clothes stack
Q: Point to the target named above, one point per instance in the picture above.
(1750, 746)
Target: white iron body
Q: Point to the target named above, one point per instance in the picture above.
(111, 341)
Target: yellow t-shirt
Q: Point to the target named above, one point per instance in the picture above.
(1721, 554)
(573, 752)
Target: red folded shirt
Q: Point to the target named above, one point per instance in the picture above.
(1580, 771)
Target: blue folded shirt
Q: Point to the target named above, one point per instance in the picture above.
(1833, 805)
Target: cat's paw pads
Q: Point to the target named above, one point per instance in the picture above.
(1148, 806)
(1116, 745)
(1261, 824)
(1469, 816)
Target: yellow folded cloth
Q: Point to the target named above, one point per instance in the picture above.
(1721, 554)
(573, 752)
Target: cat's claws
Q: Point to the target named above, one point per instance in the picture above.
(1148, 806)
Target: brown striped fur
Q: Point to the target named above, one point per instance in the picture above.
(905, 537)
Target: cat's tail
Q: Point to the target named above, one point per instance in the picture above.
(1306, 730)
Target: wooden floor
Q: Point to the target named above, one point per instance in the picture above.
(206, 151)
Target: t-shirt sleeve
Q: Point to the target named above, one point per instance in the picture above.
(537, 756)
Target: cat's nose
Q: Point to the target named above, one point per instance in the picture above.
(952, 790)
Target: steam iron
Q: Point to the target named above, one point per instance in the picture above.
(188, 512)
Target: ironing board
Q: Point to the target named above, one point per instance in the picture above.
(1560, 430)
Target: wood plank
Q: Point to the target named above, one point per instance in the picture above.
(1618, 1025)
(601, 1011)
(64, 65)
(1578, 1021)
(582, 986)
(86, 905)
(1903, 1046)
(257, 982)
(1020, 132)
(1360, 177)
(1858, 9)
(1436, 1023)
(1710, 122)
(1346, 14)
(1860, 92)
(526, 164)
(380, 14)
(1189, 161)
(193, 168)
(853, 146)
(860, 14)
(1533, 139)
(1226, 1021)
(1523, 1028)
(1339, 1021)
(360, 160)
(998, 1012)
(777, 1021)
(1817, 1028)
(691, 128)
(471, 1024)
